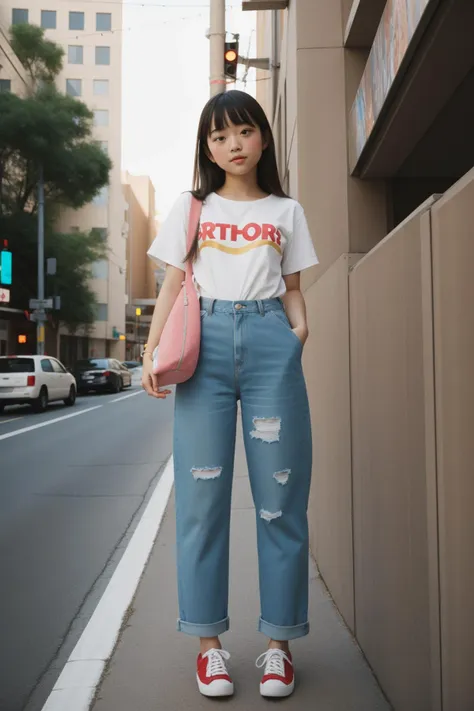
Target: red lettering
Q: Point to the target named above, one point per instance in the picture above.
(207, 230)
(235, 232)
(268, 232)
(223, 230)
(257, 231)
(278, 237)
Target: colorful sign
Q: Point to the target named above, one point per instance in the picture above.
(4, 296)
(397, 27)
(5, 267)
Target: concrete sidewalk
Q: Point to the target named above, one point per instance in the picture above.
(153, 667)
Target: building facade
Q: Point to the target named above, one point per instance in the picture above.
(91, 35)
(139, 195)
(370, 101)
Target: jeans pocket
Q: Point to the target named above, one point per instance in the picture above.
(282, 318)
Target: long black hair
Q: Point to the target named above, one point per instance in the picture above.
(239, 108)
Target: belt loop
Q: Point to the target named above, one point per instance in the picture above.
(261, 309)
(210, 306)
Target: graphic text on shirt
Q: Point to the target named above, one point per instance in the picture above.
(257, 235)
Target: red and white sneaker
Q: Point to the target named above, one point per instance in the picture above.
(212, 676)
(278, 677)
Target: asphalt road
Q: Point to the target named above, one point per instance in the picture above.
(71, 494)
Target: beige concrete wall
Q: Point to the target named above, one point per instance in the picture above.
(453, 300)
(327, 370)
(392, 577)
(388, 367)
(345, 215)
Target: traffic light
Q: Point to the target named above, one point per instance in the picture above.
(231, 59)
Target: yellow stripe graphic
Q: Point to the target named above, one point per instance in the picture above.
(239, 250)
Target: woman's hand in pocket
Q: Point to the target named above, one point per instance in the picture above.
(150, 381)
(302, 333)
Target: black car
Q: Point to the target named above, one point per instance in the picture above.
(101, 374)
(131, 364)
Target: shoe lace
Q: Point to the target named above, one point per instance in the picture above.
(274, 661)
(216, 659)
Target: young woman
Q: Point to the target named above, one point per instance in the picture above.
(252, 244)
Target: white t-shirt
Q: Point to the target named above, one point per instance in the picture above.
(245, 248)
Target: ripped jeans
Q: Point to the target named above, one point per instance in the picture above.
(248, 352)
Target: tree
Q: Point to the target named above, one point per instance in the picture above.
(42, 59)
(49, 129)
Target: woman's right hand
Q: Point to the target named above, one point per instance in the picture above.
(150, 381)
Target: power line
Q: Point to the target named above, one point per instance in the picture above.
(63, 39)
(107, 33)
(134, 3)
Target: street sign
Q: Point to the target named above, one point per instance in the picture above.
(51, 266)
(38, 304)
(36, 316)
(4, 296)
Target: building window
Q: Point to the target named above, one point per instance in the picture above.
(102, 55)
(5, 85)
(102, 197)
(19, 16)
(101, 117)
(76, 20)
(103, 21)
(101, 87)
(100, 232)
(102, 312)
(48, 19)
(100, 269)
(74, 87)
(75, 54)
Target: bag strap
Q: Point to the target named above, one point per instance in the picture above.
(194, 217)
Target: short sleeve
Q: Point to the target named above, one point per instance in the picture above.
(299, 252)
(169, 246)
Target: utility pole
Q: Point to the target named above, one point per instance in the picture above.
(40, 313)
(217, 40)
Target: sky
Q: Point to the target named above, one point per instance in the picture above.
(166, 84)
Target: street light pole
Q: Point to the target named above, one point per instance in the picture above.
(138, 313)
(40, 318)
(217, 42)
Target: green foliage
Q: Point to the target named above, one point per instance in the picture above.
(42, 58)
(75, 255)
(53, 130)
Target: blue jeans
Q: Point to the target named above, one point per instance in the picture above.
(248, 353)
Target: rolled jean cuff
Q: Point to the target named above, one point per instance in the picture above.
(283, 634)
(212, 630)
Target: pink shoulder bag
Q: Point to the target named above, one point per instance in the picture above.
(176, 357)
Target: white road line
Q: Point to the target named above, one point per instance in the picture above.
(76, 686)
(12, 419)
(124, 397)
(48, 422)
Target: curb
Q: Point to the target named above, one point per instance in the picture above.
(82, 673)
